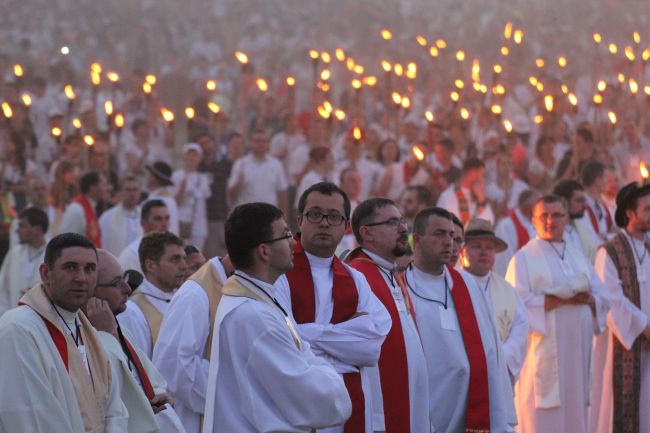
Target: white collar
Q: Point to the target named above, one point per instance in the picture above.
(148, 288)
(319, 262)
(254, 283)
(379, 260)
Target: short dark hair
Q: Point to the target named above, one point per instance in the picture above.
(550, 199)
(191, 249)
(585, 134)
(422, 218)
(366, 210)
(148, 205)
(325, 188)
(591, 171)
(567, 188)
(472, 164)
(88, 180)
(525, 196)
(423, 193)
(60, 242)
(457, 222)
(247, 226)
(127, 178)
(35, 217)
(152, 246)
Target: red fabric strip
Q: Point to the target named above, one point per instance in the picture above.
(477, 417)
(57, 337)
(144, 378)
(393, 363)
(522, 233)
(92, 224)
(592, 218)
(357, 422)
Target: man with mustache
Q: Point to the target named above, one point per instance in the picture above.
(469, 388)
(399, 382)
(567, 304)
(162, 258)
(336, 311)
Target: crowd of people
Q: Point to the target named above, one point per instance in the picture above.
(350, 217)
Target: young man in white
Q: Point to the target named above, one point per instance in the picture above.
(120, 225)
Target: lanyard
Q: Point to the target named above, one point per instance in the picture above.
(424, 297)
(275, 301)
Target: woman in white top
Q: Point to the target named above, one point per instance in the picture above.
(543, 166)
(191, 189)
(393, 182)
(321, 161)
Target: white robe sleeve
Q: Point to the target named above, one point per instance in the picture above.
(29, 401)
(117, 415)
(134, 321)
(517, 275)
(355, 342)
(181, 343)
(625, 319)
(73, 220)
(601, 296)
(514, 348)
(306, 392)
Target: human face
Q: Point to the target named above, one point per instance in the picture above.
(549, 220)
(434, 247)
(191, 160)
(280, 251)
(130, 194)
(169, 272)
(194, 262)
(27, 232)
(640, 218)
(459, 241)
(235, 148)
(351, 184)
(111, 285)
(259, 144)
(321, 239)
(158, 220)
(37, 193)
(410, 205)
(478, 256)
(577, 204)
(386, 240)
(207, 144)
(71, 280)
(441, 153)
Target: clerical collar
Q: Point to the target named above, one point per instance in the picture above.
(254, 283)
(483, 281)
(149, 289)
(425, 276)
(379, 260)
(556, 243)
(319, 262)
(67, 316)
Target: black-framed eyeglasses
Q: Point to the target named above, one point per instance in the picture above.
(334, 219)
(117, 282)
(287, 235)
(392, 222)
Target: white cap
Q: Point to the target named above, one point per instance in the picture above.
(193, 146)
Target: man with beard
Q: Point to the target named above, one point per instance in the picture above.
(577, 231)
(162, 258)
(567, 305)
(469, 388)
(141, 386)
(622, 391)
(400, 395)
(336, 311)
(414, 199)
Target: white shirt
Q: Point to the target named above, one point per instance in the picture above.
(260, 381)
(119, 227)
(446, 356)
(506, 230)
(180, 349)
(129, 258)
(19, 273)
(134, 320)
(416, 362)
(74, 218)
(369, 171)
(166, 194)
(348, 346)
(263, 180)
(449, 201)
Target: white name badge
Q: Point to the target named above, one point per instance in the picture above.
(399, 300)
(447, 318)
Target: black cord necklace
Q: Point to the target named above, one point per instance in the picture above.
(74, 335)
(275, 301)
(561, 256)
(444, 304)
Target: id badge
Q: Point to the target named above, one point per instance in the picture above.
(399, 301)
(447, 318)
(84, 356)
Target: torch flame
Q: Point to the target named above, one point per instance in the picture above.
(561, 61)
(418, 153)
(634, 86)
(356, 133)
(518, 36)
(548, 103)
(56, 132)
(440, 43)
(95, 78)
(340, 114)
(69, 92)
(429, 116)
(96, 68)
(370, 80)
(399, 70)
(113, 77)
(27, 100)
(312, 53)
(421, 40)
(146, 88)
(89, 140)
(242, 57)
(356, 83)
(190, 113)
(167, 115)
(460, 55)
(119, 120)
(612, 117)
(291, 81)
(7, 111)
(385, 64)
(18, 70)
(325, 74)
(508, 125)
(211, 85)
(151, 79)
(433, 51)
(397, 98)
(76, 123)
(602, 85)
(325, 57)
(214, 107)
(262, 84)
(644, 170)
(386, 35)
(598, 38)
(108, 108)
(340, 54)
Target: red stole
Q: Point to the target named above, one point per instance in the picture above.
(463, 204)
(346, 299)
(594, 221)
(142, 373)
(522, 232)
(393, 364)
(57, 338)
(92, 224)
(477, 418)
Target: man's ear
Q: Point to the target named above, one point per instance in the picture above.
(45, 274)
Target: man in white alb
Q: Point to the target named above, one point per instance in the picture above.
(120, 225)
(154, 218)
(567, 305)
